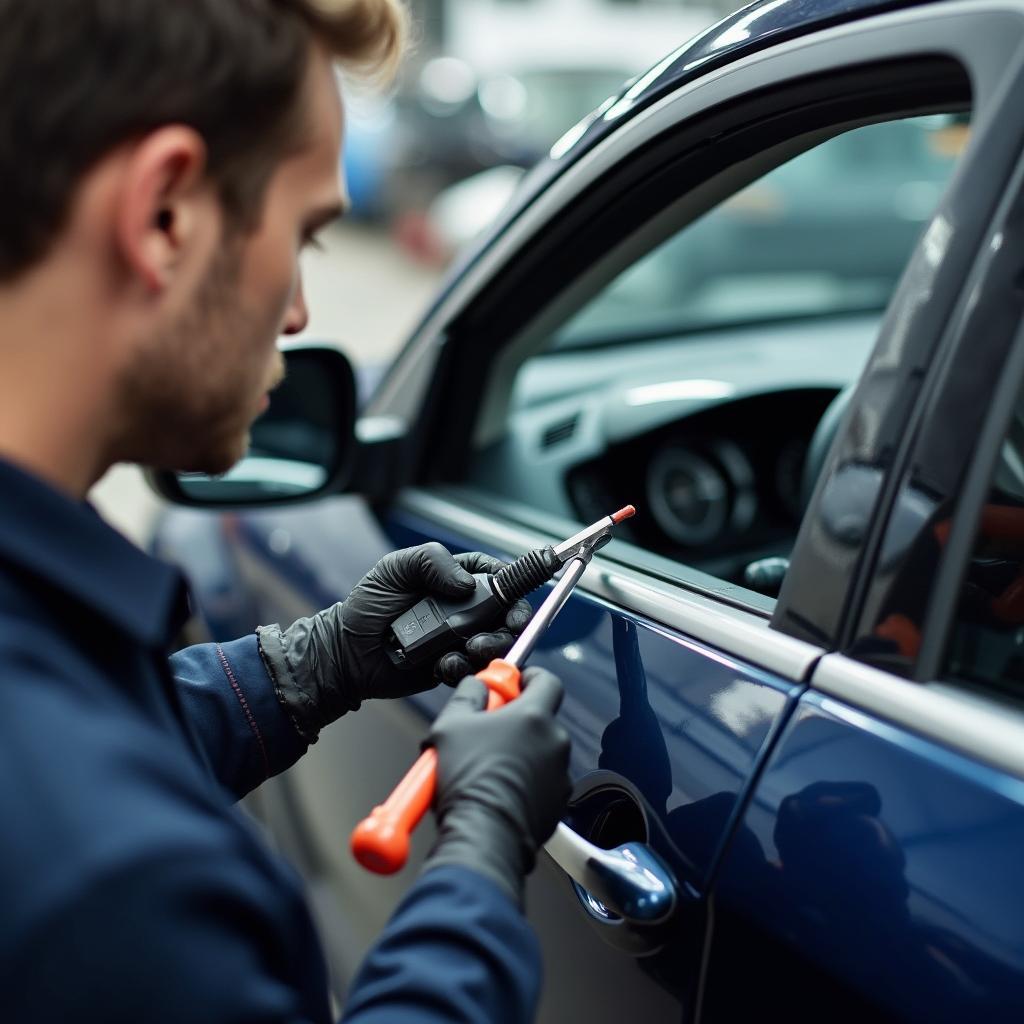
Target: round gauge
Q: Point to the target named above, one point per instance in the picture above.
(789, 473)
(689, 496)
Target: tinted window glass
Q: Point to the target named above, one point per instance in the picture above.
(987, 642)
(827, 233)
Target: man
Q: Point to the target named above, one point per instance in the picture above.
(163, 163)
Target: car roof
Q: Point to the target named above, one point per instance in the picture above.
(754, 27)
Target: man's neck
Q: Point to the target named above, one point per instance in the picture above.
(53, 416)
(50, 462)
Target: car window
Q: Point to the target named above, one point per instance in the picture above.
(987, 639)
(827, 233)
(692, 382)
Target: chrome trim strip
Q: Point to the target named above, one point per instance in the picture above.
(740, 634)
(981, 36)
(503, 536)
(748, 638)
(988, 731)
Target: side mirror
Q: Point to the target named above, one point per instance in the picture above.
(302, 446)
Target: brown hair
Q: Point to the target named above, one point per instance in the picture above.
(80, 77)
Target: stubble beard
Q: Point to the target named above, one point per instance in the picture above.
(190, 394)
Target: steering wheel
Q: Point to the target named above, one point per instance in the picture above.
(821, 441)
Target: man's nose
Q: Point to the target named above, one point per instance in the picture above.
(297, 317)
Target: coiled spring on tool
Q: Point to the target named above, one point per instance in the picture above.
(525, 574)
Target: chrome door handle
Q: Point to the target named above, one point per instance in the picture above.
(631, 881)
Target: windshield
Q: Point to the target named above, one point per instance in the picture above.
(827, 233)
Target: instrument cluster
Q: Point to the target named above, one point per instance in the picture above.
(726, 481)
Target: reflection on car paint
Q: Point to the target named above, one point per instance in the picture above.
(887, 861)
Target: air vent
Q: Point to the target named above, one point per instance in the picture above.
(559, 432)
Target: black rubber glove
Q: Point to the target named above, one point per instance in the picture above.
(330, 663)
(502, 779)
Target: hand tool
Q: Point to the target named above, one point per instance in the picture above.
(381, 842)
(436, 625)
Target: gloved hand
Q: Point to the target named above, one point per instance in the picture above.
(502, 779)
(328, 664)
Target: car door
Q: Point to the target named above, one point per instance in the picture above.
(879, 858)
(679, 681)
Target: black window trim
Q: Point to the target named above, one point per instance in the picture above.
(985, 297)
(963, 532)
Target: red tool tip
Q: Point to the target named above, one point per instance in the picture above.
(624, 513)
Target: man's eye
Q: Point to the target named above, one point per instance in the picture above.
(313, 242)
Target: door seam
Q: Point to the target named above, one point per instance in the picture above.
(736, 819)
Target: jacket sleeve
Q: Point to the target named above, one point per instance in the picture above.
(228, 699)
(456, 950)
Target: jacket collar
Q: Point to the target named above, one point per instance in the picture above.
(66, 544)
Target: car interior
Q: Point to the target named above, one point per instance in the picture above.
(695, 365)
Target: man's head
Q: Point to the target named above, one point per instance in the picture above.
(163, 164)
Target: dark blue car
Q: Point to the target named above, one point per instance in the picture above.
(772, 294)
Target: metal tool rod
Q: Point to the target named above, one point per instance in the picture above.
(552, 605)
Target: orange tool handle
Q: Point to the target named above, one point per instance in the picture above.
(381, 842)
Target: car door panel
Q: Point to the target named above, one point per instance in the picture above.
(879, 868)
(928, 810)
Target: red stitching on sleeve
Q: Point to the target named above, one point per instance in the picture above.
(249, 716)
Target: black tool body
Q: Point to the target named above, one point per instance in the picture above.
(437, 625)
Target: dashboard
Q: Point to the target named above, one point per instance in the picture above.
(706, 435)
(723, 487)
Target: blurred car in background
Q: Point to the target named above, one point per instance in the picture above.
(490, 83)
(448, 121)
(494, 85)
(463, 212)
(458, 124)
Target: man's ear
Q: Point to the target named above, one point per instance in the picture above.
(160, 208)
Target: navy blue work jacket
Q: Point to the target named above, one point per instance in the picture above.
(131, 888)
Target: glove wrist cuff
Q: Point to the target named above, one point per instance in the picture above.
(475, 838)
(295, 691)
